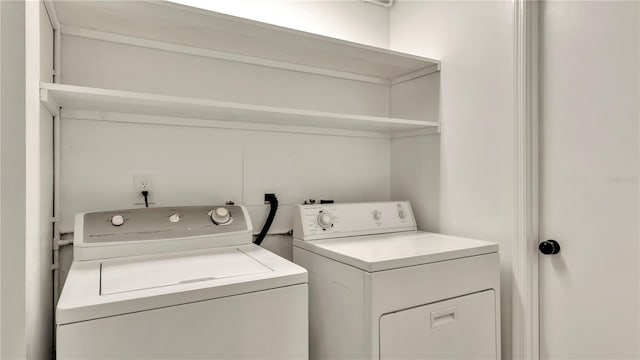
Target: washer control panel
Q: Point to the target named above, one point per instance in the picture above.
(162, 223)
(144, 231)
(338, 220)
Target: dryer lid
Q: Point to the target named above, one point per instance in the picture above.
(389, 251)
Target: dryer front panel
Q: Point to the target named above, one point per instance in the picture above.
(458, 328)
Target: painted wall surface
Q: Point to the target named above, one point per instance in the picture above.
(590, 91)
(1, 181)
(210, 166)
(474, 41)
(415, 165)
(26, 183)
(39, 184)
(415, 160)
(12, 181)
(350, 20)
(104, 64)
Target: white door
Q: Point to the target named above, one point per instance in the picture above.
(589, 291)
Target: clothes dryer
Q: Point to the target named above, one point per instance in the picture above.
(381, 289)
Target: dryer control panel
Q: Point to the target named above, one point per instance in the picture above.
(312, 222)
(128, 232)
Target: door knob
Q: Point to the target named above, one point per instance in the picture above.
(549, 247)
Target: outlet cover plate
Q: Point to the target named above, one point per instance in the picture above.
(139, 181)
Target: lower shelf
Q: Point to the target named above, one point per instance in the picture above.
(219, 113)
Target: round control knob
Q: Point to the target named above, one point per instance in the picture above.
(220, 216)
(549, 247)
(401, 213)
(324, 220)
(117, 220)
(174, 218)
(377, 215)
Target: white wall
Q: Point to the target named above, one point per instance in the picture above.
(89, 62)
(415, 176)
(415, 160)
(474, 41)
(211, 166)
(25, 184)
(39, 184)
(1, 163)
(12, 180)
(1, 166)
(350, 20)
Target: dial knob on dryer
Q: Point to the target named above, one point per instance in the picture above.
(117, 220)
(401, 213)
(220, 216)
(324, 220)
(174, 218)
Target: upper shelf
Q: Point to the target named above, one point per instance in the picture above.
(54, 96)
(214, 32)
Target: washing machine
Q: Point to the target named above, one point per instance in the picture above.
(381, 289)
(179, 282)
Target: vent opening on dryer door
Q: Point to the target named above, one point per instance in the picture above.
(119, 276)
(458, 328)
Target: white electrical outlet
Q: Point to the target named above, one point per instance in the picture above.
(142, 182)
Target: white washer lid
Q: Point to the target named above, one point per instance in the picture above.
(137, 274)
(389, 251)
(149, 282)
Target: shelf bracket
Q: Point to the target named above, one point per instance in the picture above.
(49, 102)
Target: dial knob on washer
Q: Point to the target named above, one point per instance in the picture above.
(377, 215)
(220, 216)
(117, 220)
(324, 220)
(174, 218)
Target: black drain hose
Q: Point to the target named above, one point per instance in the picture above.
(273, 202)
